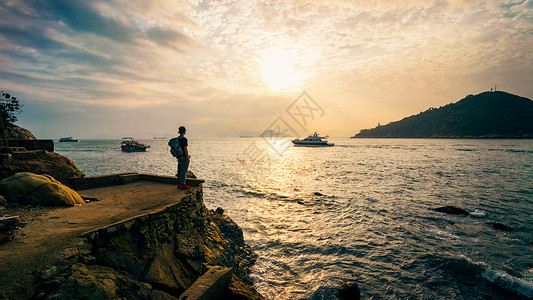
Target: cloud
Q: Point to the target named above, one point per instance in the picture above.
(202, 60)
(168, 37)
(80, 16)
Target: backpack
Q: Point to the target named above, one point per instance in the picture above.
(175, 148)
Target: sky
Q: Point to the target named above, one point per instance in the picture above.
(107, 69)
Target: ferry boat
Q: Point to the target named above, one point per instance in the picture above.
(129, 144)
(68, 139)
(313, 140)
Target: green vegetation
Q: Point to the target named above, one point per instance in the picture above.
(486, 115)
(9, 108)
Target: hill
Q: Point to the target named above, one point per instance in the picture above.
(486, 115)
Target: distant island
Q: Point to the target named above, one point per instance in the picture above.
(486, 115)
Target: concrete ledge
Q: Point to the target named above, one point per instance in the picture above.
(83, 183)
(170, 179)
(47, 145)
(209, 286)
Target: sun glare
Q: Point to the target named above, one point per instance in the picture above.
(277, 69)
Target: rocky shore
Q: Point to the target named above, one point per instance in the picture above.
(138, 238)
(168, 244)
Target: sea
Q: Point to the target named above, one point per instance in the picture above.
(361, 211)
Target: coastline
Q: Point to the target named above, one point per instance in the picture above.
(141, 238)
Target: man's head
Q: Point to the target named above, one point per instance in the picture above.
(181, 130)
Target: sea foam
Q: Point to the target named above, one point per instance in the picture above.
(502, 279)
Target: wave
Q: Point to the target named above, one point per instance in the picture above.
(442, 233)
(478, 214)
(502, 279)
(82, 150)
(511, 150)
(466, 149)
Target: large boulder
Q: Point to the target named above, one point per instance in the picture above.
(43, 190)
(15, 132)
(51, 163)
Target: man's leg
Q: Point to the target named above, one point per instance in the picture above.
(182, 170)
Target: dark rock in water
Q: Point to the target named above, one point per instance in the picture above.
(318, 194)
(501, 226)
(349, 291)
(219, 210)
(452, 210)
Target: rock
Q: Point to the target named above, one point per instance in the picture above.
(452, 210)
(7, 227)
(318, 194)
(99, 282)
(349, 291)
(38, 162)
(51, 163)
(15, 132)
(219, 210)
(38, 190)
(238, 290)
(211, 285)
(501, 226)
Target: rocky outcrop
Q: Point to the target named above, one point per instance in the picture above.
(38, 190)
(154, 256)
(41, 162)
(15, 132)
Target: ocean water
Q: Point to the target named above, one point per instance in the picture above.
(371, 222)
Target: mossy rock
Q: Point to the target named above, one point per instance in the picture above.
(38, 190)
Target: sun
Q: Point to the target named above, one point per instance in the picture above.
(278, 70)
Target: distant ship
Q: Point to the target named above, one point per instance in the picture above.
(129, 144)
(68, 139)
(160, 138)
(312, 141)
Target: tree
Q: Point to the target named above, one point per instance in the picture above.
(9, 108)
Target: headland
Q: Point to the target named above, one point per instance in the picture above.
(138, 237)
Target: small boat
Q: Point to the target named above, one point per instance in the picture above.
(68, 139)
(312, 141)
(129, 144)
(160, 137)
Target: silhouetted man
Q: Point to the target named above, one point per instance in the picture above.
(184, 160)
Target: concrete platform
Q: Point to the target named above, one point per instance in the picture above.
(50, 232)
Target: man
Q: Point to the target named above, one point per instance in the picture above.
(184, 160)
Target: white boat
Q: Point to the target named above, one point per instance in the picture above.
(312, 141)
(129, 144)
(68, 139)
